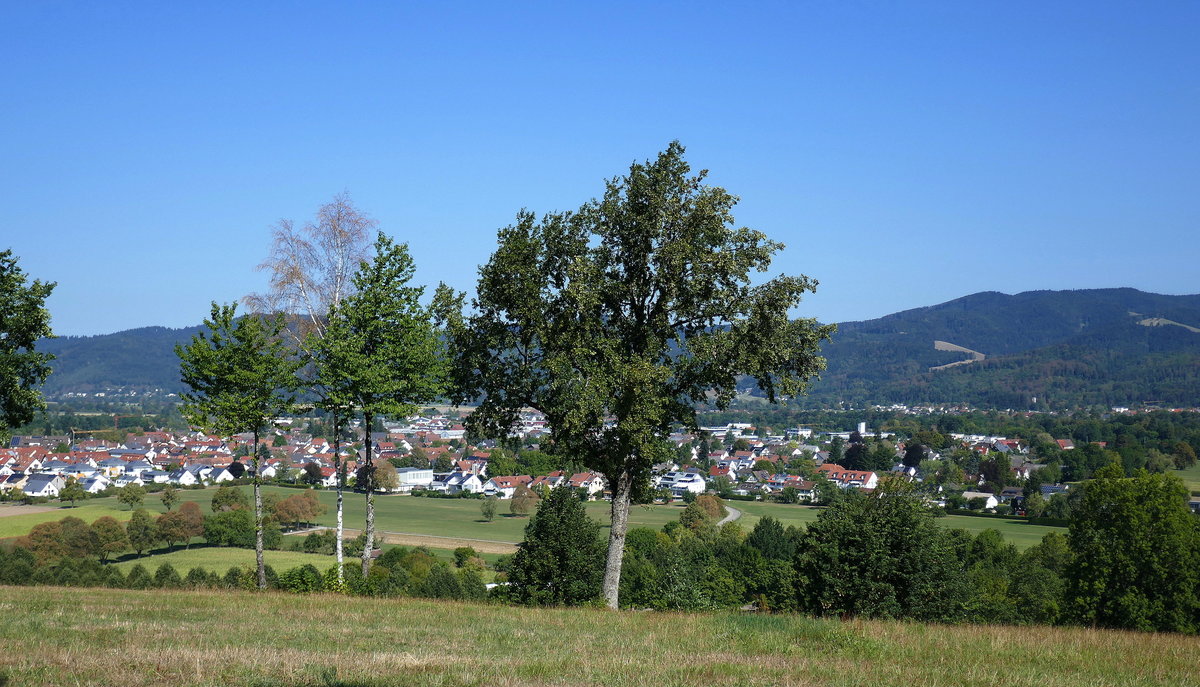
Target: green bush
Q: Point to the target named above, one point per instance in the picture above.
(302, 579)
(167, 577)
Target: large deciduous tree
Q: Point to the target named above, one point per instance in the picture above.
(380, 355)
(616, 319)
(311, 272)
(1137, 554)
(240, 375)
(23, 320)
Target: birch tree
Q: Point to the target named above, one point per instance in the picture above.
(616, 319)
(311, 272)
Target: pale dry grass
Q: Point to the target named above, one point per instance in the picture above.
(55, 636)
(11, 509)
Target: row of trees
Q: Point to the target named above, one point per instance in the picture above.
(230, 524)
(613, 320)
(363, 344)
(1129, 560)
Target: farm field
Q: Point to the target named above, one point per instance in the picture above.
(220, 558)
(200, 639)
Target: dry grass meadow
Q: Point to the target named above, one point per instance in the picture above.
(57, 636)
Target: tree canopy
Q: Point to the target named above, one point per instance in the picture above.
(240, 376)
(1137, 554)
(23, 320)
(380, 353)
(616, 319)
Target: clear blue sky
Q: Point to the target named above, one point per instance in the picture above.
(906, 153)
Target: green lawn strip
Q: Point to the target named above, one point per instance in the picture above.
(221, 558)
(1190, 477)
(92, 508)
(194, 639)
(461, 518)
(1020, 533)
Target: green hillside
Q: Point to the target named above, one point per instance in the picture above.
(1067, 348)
(137, 359)
(1064, 347)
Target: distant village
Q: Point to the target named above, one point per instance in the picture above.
(739, 463)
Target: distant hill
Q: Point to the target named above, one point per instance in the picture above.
(136, 359)
(1066, 348)
(1098, 346)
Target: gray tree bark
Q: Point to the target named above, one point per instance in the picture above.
(622, 488)
(258, 517)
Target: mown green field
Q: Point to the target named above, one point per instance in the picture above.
(104, 637)
(1191, 477)
(92, 508)
(461, 518)
(1020, 533)
(219, 559)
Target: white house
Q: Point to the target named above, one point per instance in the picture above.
(505, 487)
(184, 477)
(44, 485)
(590, 481)
(989, 498)
(460, 481)
(219, 475)
(95, 485)
(682, 482)
(408, 479)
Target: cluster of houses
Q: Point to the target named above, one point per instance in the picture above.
(758, 468)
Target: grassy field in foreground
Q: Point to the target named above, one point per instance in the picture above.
(118, 637)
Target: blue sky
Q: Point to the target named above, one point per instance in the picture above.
(906, 153)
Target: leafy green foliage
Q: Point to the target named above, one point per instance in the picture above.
(880, 556)
(633, 308)
(23, 320)
(238, 372)
(1137, 555)
(561, 559)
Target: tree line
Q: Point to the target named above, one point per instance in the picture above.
(1129, 560)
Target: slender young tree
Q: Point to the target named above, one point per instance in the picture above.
(380, 355)
(23, 320)
(311, 272)
(616, 319)
(241, 375)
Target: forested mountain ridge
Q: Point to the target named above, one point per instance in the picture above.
(1067, 348)
(135, 359)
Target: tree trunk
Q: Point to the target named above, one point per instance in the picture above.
(622, 490)
(369, 487)
(340, 475)
(258, 517)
